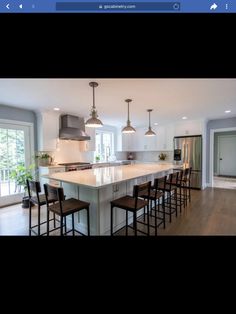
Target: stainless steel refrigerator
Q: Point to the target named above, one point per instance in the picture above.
(188, 152)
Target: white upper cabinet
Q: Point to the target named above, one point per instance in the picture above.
(160, 138)
(188, 127)
(169, 145)
(139, 142)
(48, 130)
(127, 140)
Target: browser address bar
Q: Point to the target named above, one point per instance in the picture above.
(117, 6)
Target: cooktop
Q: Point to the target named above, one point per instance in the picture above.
(74, 163)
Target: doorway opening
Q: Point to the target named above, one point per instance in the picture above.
(16, 148)
(224, 160)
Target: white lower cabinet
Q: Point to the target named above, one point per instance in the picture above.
(113, 192)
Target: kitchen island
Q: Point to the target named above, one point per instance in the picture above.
(100, 186)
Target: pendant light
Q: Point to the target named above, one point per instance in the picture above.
(93, 122)
(150, 132)
(128, 128)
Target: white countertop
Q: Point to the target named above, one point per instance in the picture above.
(99, 177)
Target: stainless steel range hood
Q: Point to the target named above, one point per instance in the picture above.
(72, 128)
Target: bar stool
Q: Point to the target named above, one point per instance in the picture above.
(38, 199)
(155, 196)
(177, 181)
(186, 184)
(133, 204)
(169, 187)
(63, 208)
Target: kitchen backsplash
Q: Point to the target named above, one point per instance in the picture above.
(69, 151)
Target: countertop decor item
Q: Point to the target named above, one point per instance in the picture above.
(44, 159)
(162, 156)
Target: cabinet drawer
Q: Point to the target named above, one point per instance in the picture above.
(55, 170)
(54, 183)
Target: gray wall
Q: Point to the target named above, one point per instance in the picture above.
(12, 113)
(211, 125)
(216, 135)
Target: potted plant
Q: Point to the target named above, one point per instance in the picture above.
(44, 159)
(97, 158)
(20, 174)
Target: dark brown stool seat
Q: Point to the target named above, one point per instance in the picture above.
(69, 206)
(63, 208)
(128, 202)
(133, 204)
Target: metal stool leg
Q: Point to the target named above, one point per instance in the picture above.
(111, 220)
(65, 224)
(126, 222)
(61, 227)
(54, 220)
(164, 211)
(30, 217)
(135, 223)
(39, 210)
(47, 222)
(73, 224)
(88, 222)
(156, 216)
(148, 225)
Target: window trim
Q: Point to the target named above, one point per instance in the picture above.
(101, 132)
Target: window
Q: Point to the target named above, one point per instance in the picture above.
(104, 145)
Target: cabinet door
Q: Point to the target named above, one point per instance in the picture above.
(170, 137)
(48, 127)
(118, 190)
(138, 140)
(150, 143)
(125, 142)
(161, 138)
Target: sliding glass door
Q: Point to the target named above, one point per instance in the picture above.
(16, 145)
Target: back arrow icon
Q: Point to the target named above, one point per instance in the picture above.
(7, 6)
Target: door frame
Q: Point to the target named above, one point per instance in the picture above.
(29, 157)
(218, 152)
(211, 164)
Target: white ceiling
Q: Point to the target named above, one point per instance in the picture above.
(169, 98)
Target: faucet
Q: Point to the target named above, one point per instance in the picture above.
(108, 152)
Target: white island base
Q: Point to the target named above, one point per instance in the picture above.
(100, 186)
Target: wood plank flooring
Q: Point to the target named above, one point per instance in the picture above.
(211, 212)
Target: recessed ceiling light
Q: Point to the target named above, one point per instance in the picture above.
(155, 123)
(227, 111)
(184, 118)
(56, 109)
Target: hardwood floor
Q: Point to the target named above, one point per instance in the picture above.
(225, 182)
(211, 212)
